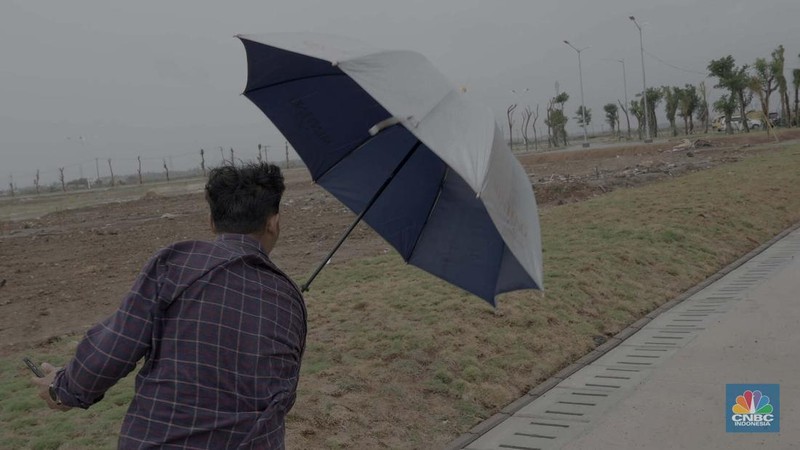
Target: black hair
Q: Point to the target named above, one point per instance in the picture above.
(242, 198)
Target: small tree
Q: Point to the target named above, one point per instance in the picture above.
(654, 96)
(61, 178)
(612, 116)
(166, 169)
(688, 102)
(726, 105)
(671, 97)
(637, 109)
(556, 121)
(762, 83)
(778, 65)
(579, 114)
(203, 161)
(736, 80)
(36, 181)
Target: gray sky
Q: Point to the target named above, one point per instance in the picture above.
(161, 78)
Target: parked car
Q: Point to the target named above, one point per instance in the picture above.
(753, 124)
(719, 124)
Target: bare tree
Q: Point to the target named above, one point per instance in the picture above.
(526, 120)
(203, 161)
(550, 129)
(703, 113)
(36, 181)
(166, 169)
(510, 116)
(627, 118)
(796, 84)
(233, 160)
(535, 137)
(222, 152)
(111, 169)
(139, 170)
(61, 178)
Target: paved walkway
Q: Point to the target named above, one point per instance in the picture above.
(664, 386)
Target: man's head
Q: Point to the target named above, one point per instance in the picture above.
(246, 200)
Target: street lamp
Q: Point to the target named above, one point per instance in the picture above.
(644, 83)
(580, 78)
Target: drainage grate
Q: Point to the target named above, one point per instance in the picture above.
(569, 409)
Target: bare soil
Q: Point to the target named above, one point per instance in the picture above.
(66, 270)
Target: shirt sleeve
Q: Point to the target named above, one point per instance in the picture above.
(111, 349)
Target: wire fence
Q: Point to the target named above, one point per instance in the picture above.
(128, 170)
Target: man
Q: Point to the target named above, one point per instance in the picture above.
(221, 329)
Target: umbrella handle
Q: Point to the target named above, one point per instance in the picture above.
(361, 215)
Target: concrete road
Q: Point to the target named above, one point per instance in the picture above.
(665, 386)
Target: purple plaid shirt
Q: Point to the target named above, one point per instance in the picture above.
(222, 331)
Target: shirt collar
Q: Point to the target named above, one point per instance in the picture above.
(246, 241)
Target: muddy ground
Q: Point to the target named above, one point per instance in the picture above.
(64, 271)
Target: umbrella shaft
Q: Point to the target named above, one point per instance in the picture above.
(372, 201)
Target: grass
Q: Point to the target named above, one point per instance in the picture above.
(32, 206)
(26, 423)
(399, 359)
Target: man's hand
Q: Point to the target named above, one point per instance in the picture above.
(43, 384)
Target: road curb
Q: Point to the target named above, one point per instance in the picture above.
(481, 428)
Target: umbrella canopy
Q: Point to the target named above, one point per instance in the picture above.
(387, 135)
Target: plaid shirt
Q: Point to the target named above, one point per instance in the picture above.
(223, 332)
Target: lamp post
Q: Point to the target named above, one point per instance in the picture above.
(580, 78)
(644, 83)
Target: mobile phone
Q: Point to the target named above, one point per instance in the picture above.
(34, 368)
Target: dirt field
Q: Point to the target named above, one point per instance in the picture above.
(65, 270)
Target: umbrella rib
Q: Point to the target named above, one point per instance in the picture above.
(292, 80)
(353, 150)
(363, 213)
(430, 211)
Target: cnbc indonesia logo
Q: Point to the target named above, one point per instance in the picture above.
(752, 410)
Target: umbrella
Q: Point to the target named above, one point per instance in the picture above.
(422, 164)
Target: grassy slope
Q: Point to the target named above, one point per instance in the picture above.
(397, 358)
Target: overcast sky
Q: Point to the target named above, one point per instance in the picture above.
(84, 79)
